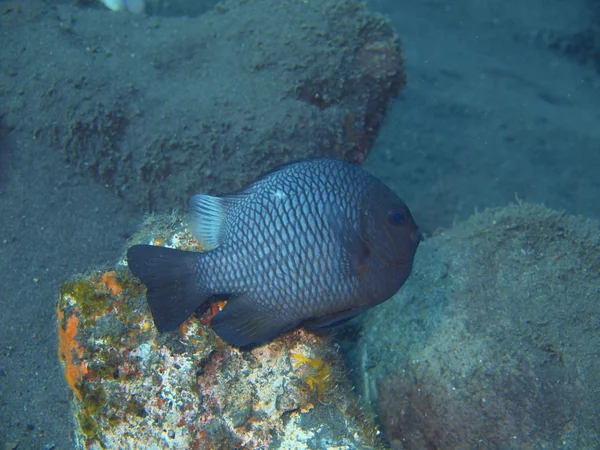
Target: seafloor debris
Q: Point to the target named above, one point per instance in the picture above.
(134, 388)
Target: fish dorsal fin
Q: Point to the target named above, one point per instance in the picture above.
(207, 216)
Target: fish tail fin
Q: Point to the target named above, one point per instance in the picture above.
(173, 288)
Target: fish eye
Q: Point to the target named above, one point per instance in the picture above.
(397, 217)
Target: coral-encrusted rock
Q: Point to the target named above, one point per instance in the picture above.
(159, 108)
(135, 388)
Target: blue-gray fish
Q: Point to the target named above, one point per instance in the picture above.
(312, 244)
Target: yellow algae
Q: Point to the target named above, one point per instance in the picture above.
(318, 377)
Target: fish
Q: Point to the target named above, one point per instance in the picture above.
(310, 244)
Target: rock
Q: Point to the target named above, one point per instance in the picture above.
(158, 108)
(493, 341)
(135, 388)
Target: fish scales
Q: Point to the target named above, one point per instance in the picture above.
(312, 243)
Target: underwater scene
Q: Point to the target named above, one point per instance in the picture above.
(299, 224)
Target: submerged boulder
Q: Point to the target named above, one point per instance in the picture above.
(494, 340)
(157, 108)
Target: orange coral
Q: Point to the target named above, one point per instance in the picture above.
(213, 310)
(68, 347)
(109, 279)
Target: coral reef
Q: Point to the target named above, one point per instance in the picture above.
(135, 388)
(494, 341)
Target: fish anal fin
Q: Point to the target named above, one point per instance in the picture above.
(242, 324)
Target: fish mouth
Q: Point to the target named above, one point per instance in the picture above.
(400, 258)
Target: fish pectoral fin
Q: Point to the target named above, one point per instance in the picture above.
(172, 287)
(355, 250)
(333, 319)
(242, 323)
